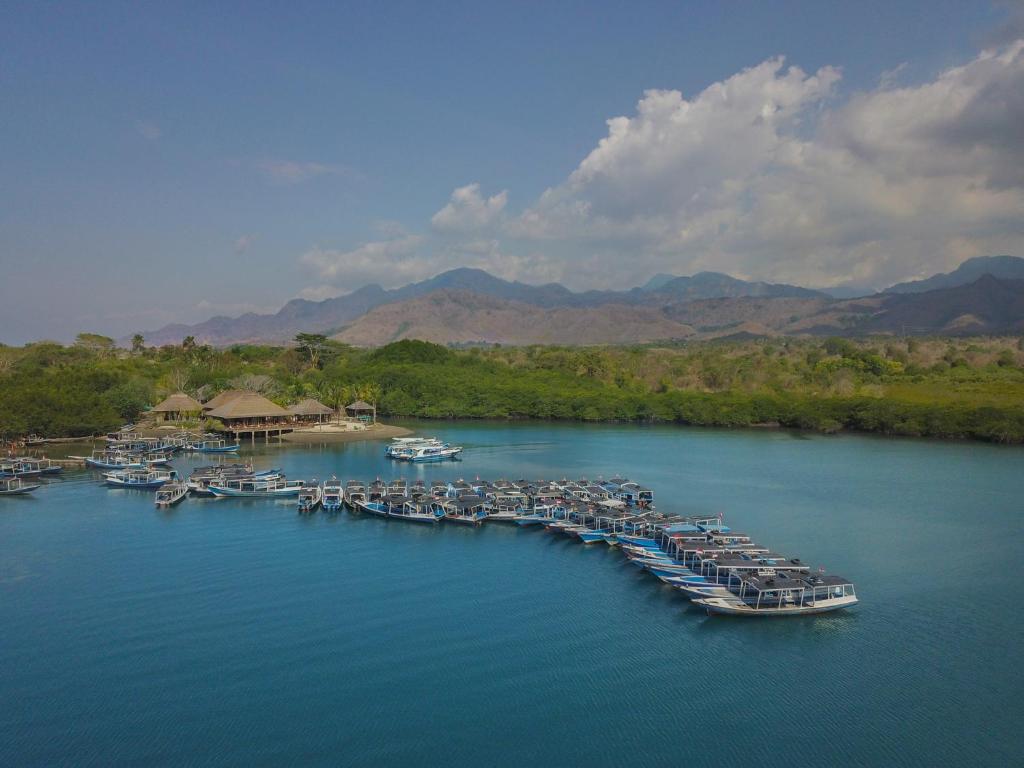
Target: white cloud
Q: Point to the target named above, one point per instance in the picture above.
(148, 130)
(389, 262)
(295, 172)
(764, 175)
(468, 211)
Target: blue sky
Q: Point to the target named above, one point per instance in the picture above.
(168, 162)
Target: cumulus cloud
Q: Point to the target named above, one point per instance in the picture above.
(389, 262)
(469, 211)
(765, 174)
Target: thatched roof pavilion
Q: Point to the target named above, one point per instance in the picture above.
(361, 410)
(248, 407)
(177, 406)
(223, 398)
(310, 410)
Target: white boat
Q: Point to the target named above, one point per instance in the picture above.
(332, 494)
(425, 453)
(778, 594)
(310, 496)
(171, 493)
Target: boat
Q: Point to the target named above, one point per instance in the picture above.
(400, 446)
(465, 509)
(416, 511)
(354, 491)
(310, 496)
(257, 487)
(211, 445)
(171, 493)
(770, 593)
(27, 466)
(506, 506)
(332, 495)
(111, 460)
(14, 486)
(139, 478)
(379, 508)
(425, 453)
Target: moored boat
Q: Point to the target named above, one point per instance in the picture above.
(171, 493)
(310, 496)
(14, 486)
(332, 495)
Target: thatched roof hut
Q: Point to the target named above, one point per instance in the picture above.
(310, 410)
(177, 406)
(223, 398)
(248, 406)
(362, 410)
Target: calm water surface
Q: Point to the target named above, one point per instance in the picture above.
(240, 633)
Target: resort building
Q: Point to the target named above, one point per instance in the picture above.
(311, 411)
(178, 407)
(223, 399)
(249, 413)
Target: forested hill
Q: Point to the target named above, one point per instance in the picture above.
(948, 388)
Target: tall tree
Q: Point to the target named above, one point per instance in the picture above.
(313, 345)
(138, 343)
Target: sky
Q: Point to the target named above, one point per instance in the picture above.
(167, 162)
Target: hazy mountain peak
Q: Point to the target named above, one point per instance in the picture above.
(1006, 267)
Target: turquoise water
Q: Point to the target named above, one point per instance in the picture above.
(241, 633)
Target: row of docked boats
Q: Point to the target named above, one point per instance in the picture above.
(420, 450)
(718, 569)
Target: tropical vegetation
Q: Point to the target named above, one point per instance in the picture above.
(934, 387)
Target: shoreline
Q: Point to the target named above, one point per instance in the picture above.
(315, 436)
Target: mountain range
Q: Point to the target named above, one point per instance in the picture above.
(983, 295)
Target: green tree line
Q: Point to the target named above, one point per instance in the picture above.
(945, 388)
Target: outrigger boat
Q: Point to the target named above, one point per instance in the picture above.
(310, 496)
(139, 478)
(258, 488)
(171, 494)
(415, 511)
(212, 445)
(13, 486)
(465, 509)
(332, 495)
(379, 507)
(112, 460)
(770, 593)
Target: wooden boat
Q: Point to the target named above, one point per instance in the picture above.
(213, 446)
(13, 486)
(257, 488)
(378, 508)
(416, 511)
(171, 494)
(777, 594)
(139, 478)
(465, 509)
